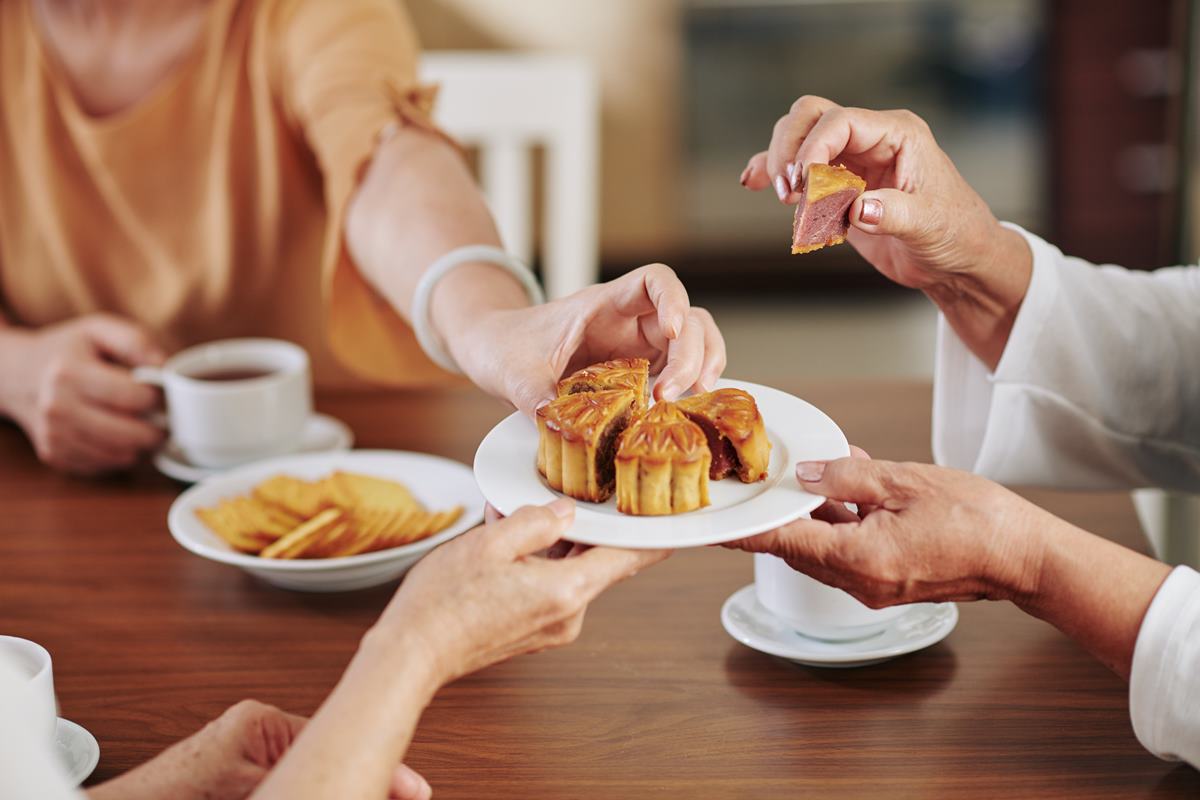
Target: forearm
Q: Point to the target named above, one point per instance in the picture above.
(981, 305)
(416, 203)
(1093, 590)
(358, 737)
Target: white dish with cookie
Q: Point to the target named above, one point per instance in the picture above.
(447, 500)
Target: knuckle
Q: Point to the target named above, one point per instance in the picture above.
(245, 710)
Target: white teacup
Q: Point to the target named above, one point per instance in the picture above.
(33, 663)
(812, 608)
(235, 401)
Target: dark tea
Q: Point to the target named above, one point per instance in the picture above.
(231, 374)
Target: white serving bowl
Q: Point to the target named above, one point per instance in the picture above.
(437, 482)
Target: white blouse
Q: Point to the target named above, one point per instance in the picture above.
(1098, 388)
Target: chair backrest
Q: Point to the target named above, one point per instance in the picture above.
(505, 104)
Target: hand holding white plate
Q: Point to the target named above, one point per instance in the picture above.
(506, 469)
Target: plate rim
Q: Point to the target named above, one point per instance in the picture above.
(810, 502)
(182, 504)
(872, 656)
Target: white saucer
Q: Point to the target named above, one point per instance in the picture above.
(322, 434)
(506, 468)
(77, 749)
(924, 624)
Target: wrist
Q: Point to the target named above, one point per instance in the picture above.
(981, 302)
(13, 341)
(467, 294)
(406, 657)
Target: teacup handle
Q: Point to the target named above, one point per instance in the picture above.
(152, 376)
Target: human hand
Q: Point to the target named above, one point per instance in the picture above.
(486, 596)
(928, 534)
(919, 222)
(519, 354)
(70, 387)
(228, 758)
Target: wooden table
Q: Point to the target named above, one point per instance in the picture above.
(655, 700)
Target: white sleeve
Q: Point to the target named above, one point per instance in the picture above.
(1164, 685)
(29, 769)
(1098, 386)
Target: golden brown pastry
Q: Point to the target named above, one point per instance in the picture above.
(620, 373)
(577, 440)
(662, 464)
(825, 200)
(735, 432)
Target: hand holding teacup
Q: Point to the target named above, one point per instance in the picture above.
(70, 387)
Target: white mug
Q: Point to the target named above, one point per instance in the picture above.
(234, 401)
(32, 662)
(812, 608)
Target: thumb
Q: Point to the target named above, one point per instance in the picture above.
(408, 784)
(123, 341)
(891, 212)
(530, 393)
(533, 528)
(851, 480)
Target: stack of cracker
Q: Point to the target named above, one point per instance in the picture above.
(344, 514)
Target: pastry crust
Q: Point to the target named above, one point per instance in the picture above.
(735, 433)
(662, 464)
(577, 441)
(619, 373)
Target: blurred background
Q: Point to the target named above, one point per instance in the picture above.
(1072, 118)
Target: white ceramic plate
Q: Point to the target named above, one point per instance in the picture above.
(506, 468)
(921, 626)
(436, 482)
(78, 751)
(322, 434)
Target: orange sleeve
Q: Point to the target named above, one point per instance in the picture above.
(346, 70)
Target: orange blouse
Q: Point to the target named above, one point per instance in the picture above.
(214, 207)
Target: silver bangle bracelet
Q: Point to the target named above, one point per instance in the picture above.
(427, 337)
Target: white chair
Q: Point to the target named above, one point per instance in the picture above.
(505, 104)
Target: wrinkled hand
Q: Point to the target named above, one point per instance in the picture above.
(928, 534)
(70, 387)
(520, 354)
(919, 222)
(486, 596)
(228, 758)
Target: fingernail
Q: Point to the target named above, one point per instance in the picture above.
(745, 176)
(563, 507)
(781, 188)
(872, 211)
(797, 177)
(541, 404)
(791, 174)
(810, 471)
(675, 327)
